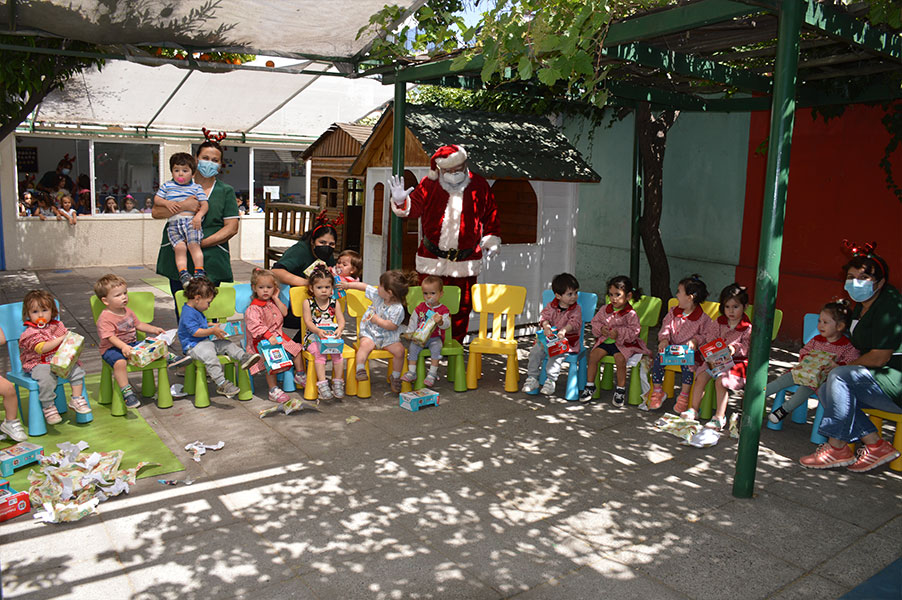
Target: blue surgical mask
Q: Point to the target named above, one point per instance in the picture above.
(65, 171)
(860, 290)
(207, 168)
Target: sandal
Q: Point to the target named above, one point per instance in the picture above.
(689, 414)
(716, 423)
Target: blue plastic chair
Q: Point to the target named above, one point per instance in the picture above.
(800, 414)
(13, 327)
(242, 301)
(577, 373)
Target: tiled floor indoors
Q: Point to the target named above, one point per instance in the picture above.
(489, 495)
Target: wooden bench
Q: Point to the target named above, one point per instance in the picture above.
(288, 221)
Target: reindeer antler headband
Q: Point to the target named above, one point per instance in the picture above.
(323, 220)
(866, 250)
(211, 137)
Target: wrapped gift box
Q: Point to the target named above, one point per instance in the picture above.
(717, 356)
(14, 457)
(677, 354)
(274, 355)
(332, 343)
(147, 351)
(424, 331)
(12, 503)
(66, 355)
(554, 345)
(812, 370)
(413, 401)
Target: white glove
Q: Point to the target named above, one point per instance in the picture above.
(398, 193)
(490, 245)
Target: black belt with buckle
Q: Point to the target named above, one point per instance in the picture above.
(454, 254)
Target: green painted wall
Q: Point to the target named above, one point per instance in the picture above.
(704, 193)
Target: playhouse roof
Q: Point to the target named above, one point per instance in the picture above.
(499, 145)
(341, 139)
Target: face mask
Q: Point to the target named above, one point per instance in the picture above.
(323, 252)
(207, 168)
(455, 178)
(860, 289)
(65, 171)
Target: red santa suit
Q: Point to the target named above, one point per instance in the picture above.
(456, 228)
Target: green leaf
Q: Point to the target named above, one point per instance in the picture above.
(524, 68)
(425, 13)
(549, 75)
(488, 69)
(548, 43)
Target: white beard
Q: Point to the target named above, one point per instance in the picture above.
(450, 233)
(455, 189)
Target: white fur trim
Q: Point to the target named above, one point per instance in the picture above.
(452, 160)
(450, 234)
(448, 268)
(433, 175)
(490, 243)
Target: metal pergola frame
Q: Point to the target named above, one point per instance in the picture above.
(657, 42)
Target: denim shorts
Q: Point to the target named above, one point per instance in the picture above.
(114, 354)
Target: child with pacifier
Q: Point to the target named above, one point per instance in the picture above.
(686, 325)
(322, 313)
(433, 288)
(43, 334)
(349, 266)
(380, 325)
(735, 329)
(832, 325)
(618, 322)
(263, 319)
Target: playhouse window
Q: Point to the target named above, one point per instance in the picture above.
(354, 192)
(328, 192)
(518, 204)
(378, 193)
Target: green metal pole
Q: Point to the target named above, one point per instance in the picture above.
(397, 168)
(776, 181)
(637, 207)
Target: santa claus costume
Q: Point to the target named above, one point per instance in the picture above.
(459, 222)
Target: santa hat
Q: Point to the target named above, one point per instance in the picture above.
(446, 157)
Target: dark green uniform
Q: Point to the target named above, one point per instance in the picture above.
(881, 329)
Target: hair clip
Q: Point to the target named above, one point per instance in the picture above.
(211, 137)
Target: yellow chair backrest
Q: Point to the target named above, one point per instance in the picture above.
(299, 295)
(357, 305)
(497, 300)
(712, 309)
(222, 307)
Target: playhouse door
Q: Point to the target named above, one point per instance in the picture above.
(377, 225)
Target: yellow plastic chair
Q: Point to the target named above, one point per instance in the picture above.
(648, 308)
(451, 348)
(222, 307)
(877, 418)
(357, 305)
(497, 301)
(142, 303)
(299, 295)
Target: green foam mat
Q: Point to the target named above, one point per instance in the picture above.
(162, 284)
(130, 433)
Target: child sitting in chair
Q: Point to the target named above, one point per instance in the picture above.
(564, 314)
(433, 288)
(349, 266)
(195, 332)
(117, 328)
(43, 334)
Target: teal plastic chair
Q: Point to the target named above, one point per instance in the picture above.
(222, 307)
(577, 372)
(13, 327)
(648, 308)
(452, 349)
(142, 303)
(243, 299)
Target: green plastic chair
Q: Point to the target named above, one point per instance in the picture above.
(647, 308)
(222, 307)
(142, 303)
(453, 349)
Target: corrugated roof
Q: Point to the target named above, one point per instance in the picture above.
(502, 146)
(361, 133)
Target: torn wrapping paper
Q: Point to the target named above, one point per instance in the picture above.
(705, 438)
(290, 406)
(200, 448)
(168, 336)
(734, 425)
(678, 426)
(71, 483)
(352, 419)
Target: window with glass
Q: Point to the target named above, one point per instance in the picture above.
(327, 189)
(126, 177)
(354, 192)
(279, 175)
(52, 172)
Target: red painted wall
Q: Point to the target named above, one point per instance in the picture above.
(836, 190)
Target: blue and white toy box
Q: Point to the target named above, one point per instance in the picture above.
(332, 343)
(17, 456)
(677, 354)
(274, 355)
(413, 401)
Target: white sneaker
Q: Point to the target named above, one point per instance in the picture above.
(548, 388)
(14, 430)
(530, 385)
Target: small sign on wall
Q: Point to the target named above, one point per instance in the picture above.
(271, 192)
(27, 159)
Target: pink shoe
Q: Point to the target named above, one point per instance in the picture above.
(409, 376)
(682, 403)
(869, 457)
(828, 457)
(655, 399)
(277, 395)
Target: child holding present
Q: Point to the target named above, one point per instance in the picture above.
(322, 310)
(433, 287)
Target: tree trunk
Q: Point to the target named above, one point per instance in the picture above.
(652, 143)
